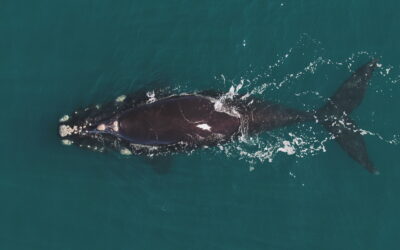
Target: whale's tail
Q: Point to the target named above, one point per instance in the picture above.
(334, 115)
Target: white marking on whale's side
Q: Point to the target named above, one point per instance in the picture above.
(204, 126)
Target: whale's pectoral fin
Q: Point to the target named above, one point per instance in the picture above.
(334, 115)
(160, 164)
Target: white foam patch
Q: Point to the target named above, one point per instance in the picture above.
(204, 126)
(219, 104)
(152, 96)
(287, 148)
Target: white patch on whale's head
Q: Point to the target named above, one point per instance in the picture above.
(95, 128)
(204, 126)
(101, 127)
(64, 118)
(115, 126)
(65, 130)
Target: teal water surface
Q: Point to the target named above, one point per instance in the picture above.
(57, 56)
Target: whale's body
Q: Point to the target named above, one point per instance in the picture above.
(187, 121)
(192, 119)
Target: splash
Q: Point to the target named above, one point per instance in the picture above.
(303, 140)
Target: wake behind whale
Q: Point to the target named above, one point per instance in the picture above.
(138, 124)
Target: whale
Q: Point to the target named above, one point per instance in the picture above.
(140, 124)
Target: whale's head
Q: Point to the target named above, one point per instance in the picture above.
(92, 128)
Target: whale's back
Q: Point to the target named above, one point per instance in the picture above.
(187, 119)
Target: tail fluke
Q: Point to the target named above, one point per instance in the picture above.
(348, 136)
(334, 115)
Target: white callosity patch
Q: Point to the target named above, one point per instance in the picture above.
(101, 127)
(65, 130)
(204, 126)
(64, 118)
(120, 98)
(115, 126)
(67, 142)
(125, 151)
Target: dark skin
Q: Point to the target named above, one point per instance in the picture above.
(190, 119)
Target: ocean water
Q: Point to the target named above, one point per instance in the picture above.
(255, 193)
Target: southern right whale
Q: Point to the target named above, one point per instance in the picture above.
(179, 122)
